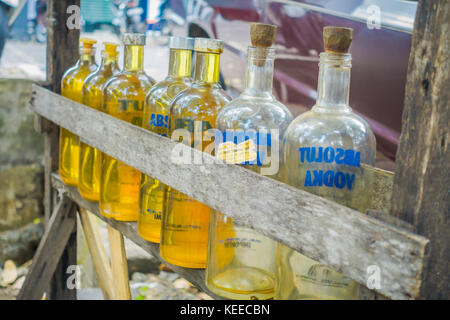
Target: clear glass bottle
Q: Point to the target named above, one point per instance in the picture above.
(71, 86)
(156, 119)
(124, 98)
(184, 229)
(328, 151)
(242, 262)
(92, 96)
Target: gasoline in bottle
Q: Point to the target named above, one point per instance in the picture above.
(71, 87)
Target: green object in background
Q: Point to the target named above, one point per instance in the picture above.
(97, 11)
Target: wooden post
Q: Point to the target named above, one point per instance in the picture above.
(420, 194)
(119, 264)
(50, 251)
(62, 52)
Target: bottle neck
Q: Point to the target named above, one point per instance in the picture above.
(87, 57)
(109, 62)
(259, 74)
(334, 80)
(207, 67)
(134, 58)
(180, 63)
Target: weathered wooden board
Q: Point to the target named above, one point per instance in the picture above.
(98, 253)
(421, 192)
(60, 228)
(129, 230)
(332, 234)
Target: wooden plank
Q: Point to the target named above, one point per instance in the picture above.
(332, 234)
(119, 265)
(339, 237)
(50, 250)
(129, 230)
(98, 253)
(421, 189)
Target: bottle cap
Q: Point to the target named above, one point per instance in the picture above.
(263, 35)
(208, 45)
(134, 39)
(337, 39)
(181, 43)
(111, 48)
(87, 42)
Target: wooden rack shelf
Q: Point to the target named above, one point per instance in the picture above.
(332, 234)
(412, 265)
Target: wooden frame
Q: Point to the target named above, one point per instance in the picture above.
(337, 236)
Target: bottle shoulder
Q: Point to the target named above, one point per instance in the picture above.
(167, 89)
(254, 113)
(129, 83)
(338, 129)
(200, 99)
(77, 73)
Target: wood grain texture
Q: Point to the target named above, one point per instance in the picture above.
(129, 230)
(119, 264)
(98, 253)
(62, 53)
(421, 189)
(60, 229)
(332, 234)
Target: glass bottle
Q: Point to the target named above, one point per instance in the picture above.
(71, 86)
(124, 98)
(241, 262)
(328, 151)
(156, 119)
(92, 96)
(184, 229)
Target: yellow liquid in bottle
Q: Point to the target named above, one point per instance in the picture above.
(124, 99)
(184, 237)
(71, 87)
(153, 196)
(92, 95)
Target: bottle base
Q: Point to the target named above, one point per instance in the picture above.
(243, 283)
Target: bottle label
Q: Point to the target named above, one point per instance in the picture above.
(243, 147)
(330, 157)
(159, 123)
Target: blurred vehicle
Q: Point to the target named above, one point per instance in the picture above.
(380, 50)
(121, 15)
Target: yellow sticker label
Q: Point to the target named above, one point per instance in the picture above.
(237, 153)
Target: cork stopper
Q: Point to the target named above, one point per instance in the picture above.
(111, 48)
(337, 39)
(87, 45)
(262, 36)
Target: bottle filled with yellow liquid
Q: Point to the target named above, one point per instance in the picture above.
(242, 262)
(92, 96)
(184, 230)
(71, 87)
(328, 151)
(124, 98)
(156, 119)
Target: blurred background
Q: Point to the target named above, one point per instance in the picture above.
(380, 51)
